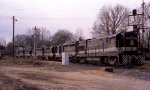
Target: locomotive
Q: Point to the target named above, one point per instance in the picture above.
(120, 49)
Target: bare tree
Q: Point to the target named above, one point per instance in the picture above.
(20, 40)
(29, 39)
(9, 48)
(147, 11)
(43, 37)
(62, 36)
(78, 35)
(111, 20)
(2, 41)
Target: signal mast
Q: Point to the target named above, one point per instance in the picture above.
(137, 22)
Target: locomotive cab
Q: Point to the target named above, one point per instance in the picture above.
(129, 48)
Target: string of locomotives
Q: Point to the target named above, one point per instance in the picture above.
(120, 49)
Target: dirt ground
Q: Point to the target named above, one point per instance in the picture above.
(24, 74)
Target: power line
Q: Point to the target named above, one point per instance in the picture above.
(42, 18)
(5, 17)
(25, 9)
(81, 19)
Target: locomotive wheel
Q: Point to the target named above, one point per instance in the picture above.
(112, 61)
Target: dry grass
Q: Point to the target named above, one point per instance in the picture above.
(7, 83)
(20, 62)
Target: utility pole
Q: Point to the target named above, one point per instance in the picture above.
(35, 41)
(143, 23)
(14, 37)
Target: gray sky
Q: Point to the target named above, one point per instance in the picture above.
(54, 14)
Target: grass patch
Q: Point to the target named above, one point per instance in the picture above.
(20, 61)
(7, 83)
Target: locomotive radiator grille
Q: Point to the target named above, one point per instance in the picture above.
(140, 59)
(119, 50)
(127, 59)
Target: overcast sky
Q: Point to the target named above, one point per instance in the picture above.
(54, 14)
